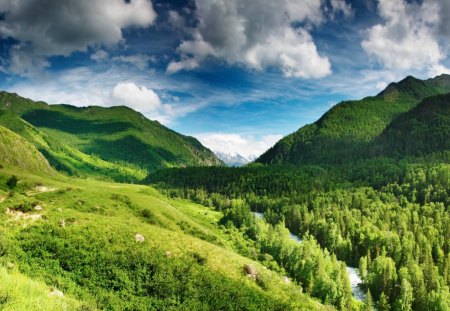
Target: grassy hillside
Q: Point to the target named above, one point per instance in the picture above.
(345, 131)
(126, 247)
(67, 159)
(16, 151)
(423, 130)
(108, 139)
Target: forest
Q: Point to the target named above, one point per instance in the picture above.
(388, 217)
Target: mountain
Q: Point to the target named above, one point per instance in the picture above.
(344, 132)
(117, 141)
(234, 159)
(425, 129)
(17, 152)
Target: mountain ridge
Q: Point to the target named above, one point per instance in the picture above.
(118, 136)
(345, 131)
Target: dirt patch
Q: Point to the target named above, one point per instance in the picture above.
(41, 189)
(56, 293)
(250, 271)
(17, 215)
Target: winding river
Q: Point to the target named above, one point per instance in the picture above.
(353, 273)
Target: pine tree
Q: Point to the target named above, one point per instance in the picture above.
(368, 304)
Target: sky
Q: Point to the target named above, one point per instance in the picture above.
(236, 74)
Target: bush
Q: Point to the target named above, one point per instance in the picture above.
(12, 181)
(201, 260)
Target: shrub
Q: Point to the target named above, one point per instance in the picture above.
(201, 260)
(12, 181)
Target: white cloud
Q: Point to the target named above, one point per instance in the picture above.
(245, 145)
(139, 60)
(137, 97)
(53, 27)
(82, 86)
(407, 38)
(100, 56)
(256, 34)
(340, 6)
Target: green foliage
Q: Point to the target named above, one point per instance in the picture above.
(16, 151)
(423, 130)
(346, 131)
(115, 143)
(394, 220)
(12, 182)
(95, 259)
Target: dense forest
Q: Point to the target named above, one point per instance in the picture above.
(394, 226)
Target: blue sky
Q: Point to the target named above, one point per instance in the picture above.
(237, 74)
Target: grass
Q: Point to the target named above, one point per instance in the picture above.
(18, 292)
(96, 259)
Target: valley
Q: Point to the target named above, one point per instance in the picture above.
(102, 209)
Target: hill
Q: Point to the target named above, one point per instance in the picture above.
(16, 151)
(110, 246)
(117, 137)
(344, 132)
(423, 130)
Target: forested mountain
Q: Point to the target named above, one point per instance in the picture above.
(425, 129)
(346, 130)
(117, 141)
(369, 183)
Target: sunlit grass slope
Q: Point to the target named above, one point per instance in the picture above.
(116, 143)
(126, 247)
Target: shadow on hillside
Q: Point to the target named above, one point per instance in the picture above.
(60, 121)
(130, 149)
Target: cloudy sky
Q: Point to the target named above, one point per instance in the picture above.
(237, 74)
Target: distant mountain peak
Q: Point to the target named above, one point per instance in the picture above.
(234, 158)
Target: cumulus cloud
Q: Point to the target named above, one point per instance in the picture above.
(407, 38)
(256, 34)
(83, 86)
(137, 97)
(52, 27)
(246, 145)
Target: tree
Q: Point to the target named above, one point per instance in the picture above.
(368, 304)
(383, 303)
(382, 276)
(406, 297)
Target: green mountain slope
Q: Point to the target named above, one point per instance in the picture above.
(113, 246)
(117, 137)
(345, 131)
(423, 130)
(16, 151)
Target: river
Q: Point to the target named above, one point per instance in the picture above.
(355, 280)
(353, 273)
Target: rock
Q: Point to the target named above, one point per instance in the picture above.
(250, 271)
(56, 293)
(38, 208)
(139, 238)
